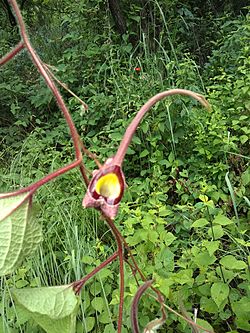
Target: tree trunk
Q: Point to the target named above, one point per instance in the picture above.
(7, 8)
(118, 17)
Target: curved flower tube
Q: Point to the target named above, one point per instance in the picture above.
(106, 188)
(120, 154)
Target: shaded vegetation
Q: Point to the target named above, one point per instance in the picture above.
(185, 213)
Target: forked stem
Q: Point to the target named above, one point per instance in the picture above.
(77, 285)
(78, 146)
(25, 43)
(12, 53)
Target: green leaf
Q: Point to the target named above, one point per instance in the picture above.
(246, 177)
(21, 315)
(211, 246)
(98, 304)
(208, 305)
(19, 234)
(85, 325)
(167, 257)
(232, 263)
(219, 292)
(144, 153)
(55, 302)
(244, 138)
(216, 232)
(184, 277)
(242, 310)
(203, 323)
(87, 260)
(200, 223)
(104, 273)
(153, 236)
(104, 317)
(109, 329)
(9, 205)
(90, 323)
(226, 274)
(136, 140)
(144, 126)
(167, 237)
(171, 157)
(222, 220)
(203, 259)
(95, 288)
(53, 308)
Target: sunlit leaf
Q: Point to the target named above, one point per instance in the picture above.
(232, 263)
(19, 234)
(200, 223)
(204, 324)
(53, 308)
(219, 292)
(8, 205)
(222, 220)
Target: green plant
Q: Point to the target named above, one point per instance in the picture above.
(24, 235)
(186, 217)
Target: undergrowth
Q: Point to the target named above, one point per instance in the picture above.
(186, 210)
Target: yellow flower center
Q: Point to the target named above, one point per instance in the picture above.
(108, 186)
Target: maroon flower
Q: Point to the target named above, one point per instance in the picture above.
(106, 189)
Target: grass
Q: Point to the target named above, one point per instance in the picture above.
(71, 234)
(179, 180)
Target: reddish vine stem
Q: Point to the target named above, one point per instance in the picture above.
(130, 131)
(118, 159)
(134, 307)
(84, 174)
(136, 268)
(25, 43)
(33, 187)
(38, 63)
(77, 285)
(133, 270)
(12, 53)
(89, 154)
(119, 242)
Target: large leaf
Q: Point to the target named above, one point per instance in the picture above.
(219, 292)
(8, 205)
(19, 234)
(53, 308)
(231, 262)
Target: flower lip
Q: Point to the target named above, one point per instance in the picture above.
(108, 183)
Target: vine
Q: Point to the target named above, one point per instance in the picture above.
(104, 192)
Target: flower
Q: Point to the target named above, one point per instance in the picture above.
(106, 189)
(137, 69)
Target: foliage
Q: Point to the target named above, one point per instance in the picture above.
(53, 308)
(186, 210)
(20, 235)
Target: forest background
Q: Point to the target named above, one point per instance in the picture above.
(185, 213)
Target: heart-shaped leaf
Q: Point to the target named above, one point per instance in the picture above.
(53, 308)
